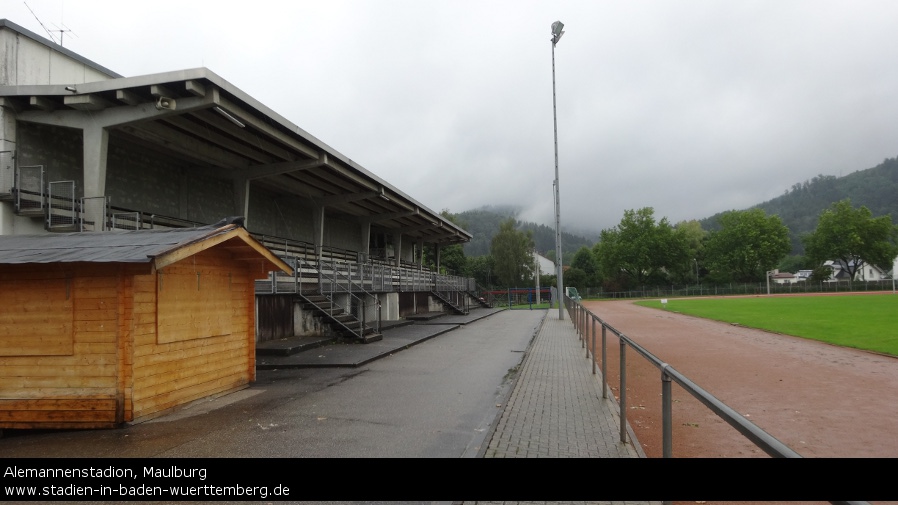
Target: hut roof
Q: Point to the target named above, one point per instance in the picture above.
(161, 247)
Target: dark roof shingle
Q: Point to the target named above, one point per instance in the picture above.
(139, 246)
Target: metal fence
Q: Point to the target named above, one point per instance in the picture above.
(756, 288)
(519, 298)
(377, 278)
(588, 324)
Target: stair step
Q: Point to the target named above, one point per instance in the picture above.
(290, 346)
(341, 321)
(326, 307)
(372, 337)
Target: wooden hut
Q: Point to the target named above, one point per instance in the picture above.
(106, 328)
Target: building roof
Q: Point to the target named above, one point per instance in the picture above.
(5, 23)
(160, 247)
(196, 116)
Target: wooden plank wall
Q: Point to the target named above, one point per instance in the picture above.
(194, 332)
(51, 383)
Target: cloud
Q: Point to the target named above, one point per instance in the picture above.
(692, 107)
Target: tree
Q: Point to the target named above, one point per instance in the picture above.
(585, 262)
(481, 269)
(693, 236)
(576, 278)
(748, 245)
(452, 257)
(852, 236)
(820, 274)
(512, 252)
(640, 249)
(793, 263)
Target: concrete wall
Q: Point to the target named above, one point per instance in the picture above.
(279, 216)
(389, 306)
(306, 324)
(25, 61)
(143, 180)
(11, 224)
(58, 149)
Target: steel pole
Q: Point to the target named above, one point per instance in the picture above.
(558, 259)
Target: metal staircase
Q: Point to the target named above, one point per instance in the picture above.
(341, 321)
(480, 300)
(445, 299)
(330, 281)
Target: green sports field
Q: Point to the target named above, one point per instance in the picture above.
(868, 321)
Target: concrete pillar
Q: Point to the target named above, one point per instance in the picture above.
(7, 143)
(437, 251)
(241, 199)
(96, 149)
(7, 129)
(318, 227)
(397, 248)
(420, 251)
(184, 195)
(366, 237)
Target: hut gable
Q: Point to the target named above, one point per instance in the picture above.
(102, 329)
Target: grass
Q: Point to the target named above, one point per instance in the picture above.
(868, 322)
(519, 306)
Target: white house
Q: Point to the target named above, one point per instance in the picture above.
(866, 271)
(784, 278)
(803, 275)
(546, 266)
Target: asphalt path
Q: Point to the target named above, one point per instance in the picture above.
(435, 399)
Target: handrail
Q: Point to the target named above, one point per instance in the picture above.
(360, 288)
(333, 281)
(581, 317)
(445, 285)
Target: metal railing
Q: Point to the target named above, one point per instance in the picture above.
(334, 280)
(585, 323)
(29, 190)
(454, 291)
(94, 213)
(372, 276)
(327, 279)
(756, 288)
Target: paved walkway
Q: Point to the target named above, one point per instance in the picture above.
(556, 408)
(553, 407)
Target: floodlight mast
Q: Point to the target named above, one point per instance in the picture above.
(557, 32)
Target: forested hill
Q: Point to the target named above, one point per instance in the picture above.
(483, 223)
(875, 188)
(799, 207)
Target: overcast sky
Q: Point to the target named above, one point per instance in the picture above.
(690, 107)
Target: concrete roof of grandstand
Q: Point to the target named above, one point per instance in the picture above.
(199, 117)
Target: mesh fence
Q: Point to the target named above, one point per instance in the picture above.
(125, 221)
(30, 189)
(93, 213)
(61, 204)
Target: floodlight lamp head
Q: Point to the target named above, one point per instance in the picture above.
(557, 31)
(556, 28)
